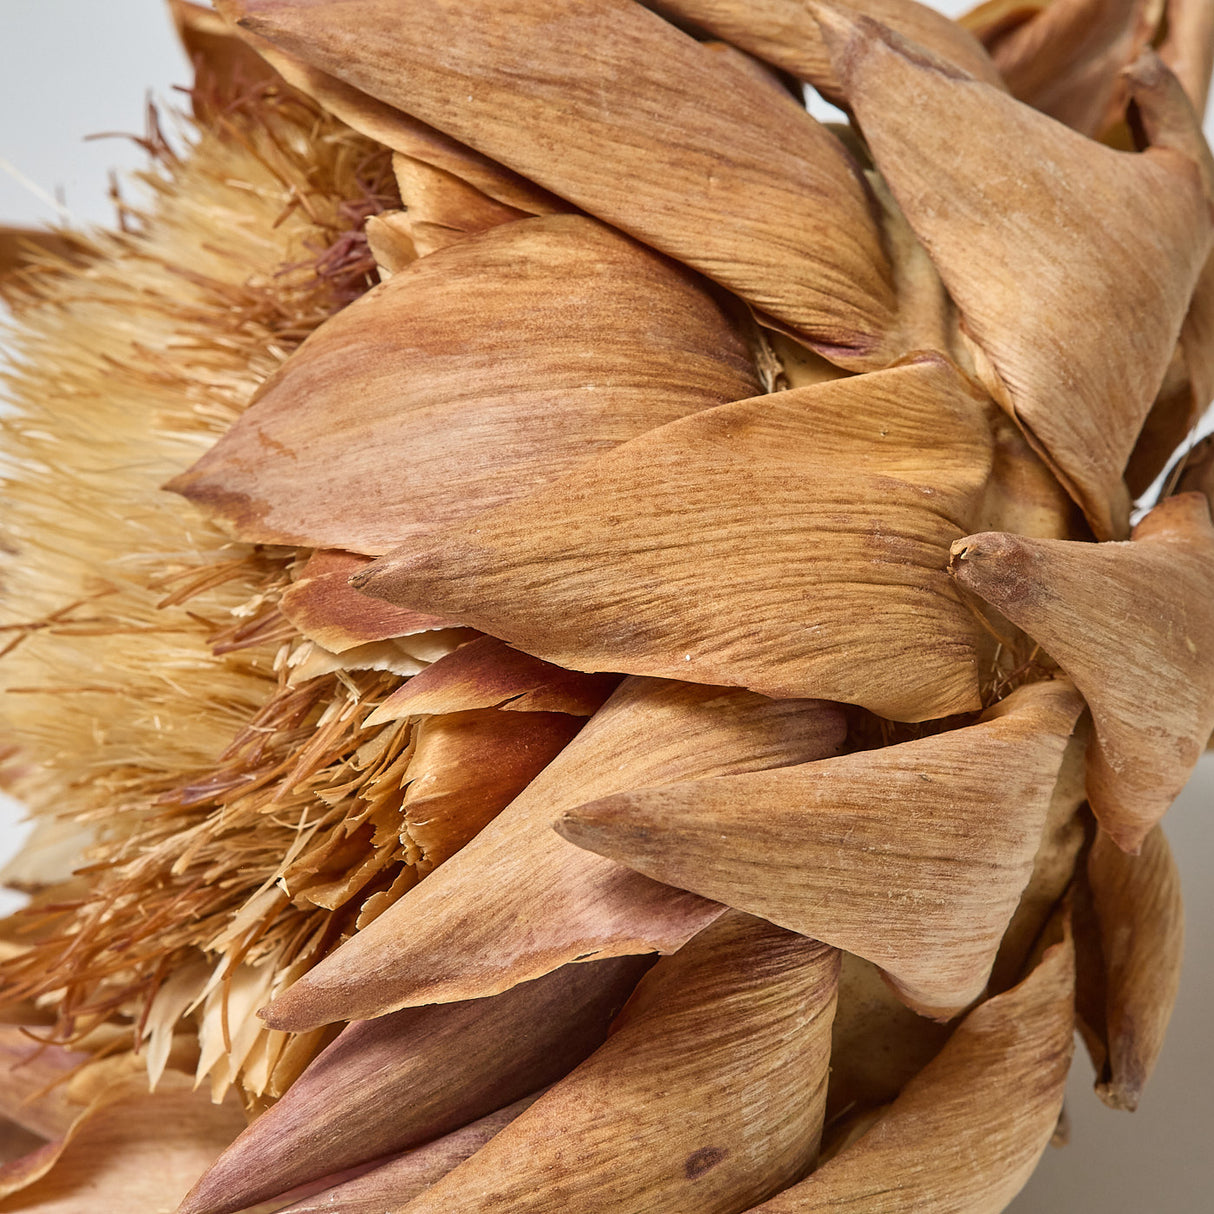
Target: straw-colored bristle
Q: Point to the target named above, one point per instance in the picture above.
(147, 662)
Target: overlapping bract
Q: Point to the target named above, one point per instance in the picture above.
(791, 544)
(550, 432)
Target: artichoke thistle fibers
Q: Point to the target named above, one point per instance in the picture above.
(642, 692)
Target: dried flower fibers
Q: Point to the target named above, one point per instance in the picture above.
(573, 634)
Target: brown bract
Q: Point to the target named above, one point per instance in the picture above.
(401, 132)
(1062, 840)
(441, 208)
(785, 33)
(468, 378)
(943, 830)
(793, 544)
(1187, 47)
(326, 609)
(1166, 119)
(519, 901)
(1129, 967)
(388, 1084)
(1132, 624)
(486, 673)
(545, 87)
(466, 767)
(1066, 58)
(993, 1096)
(400, 1178)
(1035, 229)
(717, 1068)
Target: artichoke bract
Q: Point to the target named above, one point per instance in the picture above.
(579, 639)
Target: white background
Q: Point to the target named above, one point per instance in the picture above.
(71, 68)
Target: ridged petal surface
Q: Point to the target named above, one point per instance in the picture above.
(1132, 624)
(402, 1177)
(486, 673)
(401, 132)
(519, 901)
(793, 544)
(989, 1102)
(784, 33)
(1127, 987)
(1048, 242)
(942, 831)
(545, 86)
(388, 1084)
(1065, 60)
(468, 378)
(467, 767)
(717, 1068)
(326, 609)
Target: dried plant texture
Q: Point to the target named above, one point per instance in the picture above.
(33, 251)
(320, 603)
(519, 901)
(1129, 962)
(1187, 47)
(791, 544)
(401, 1080)
(877, 1043)
(1062, 840)
(465, 381)
(1118, 618)
(945, 827)
(405, 134)
(1065, 58)
(718, 1068)
(1034, 229)
(486, 673)
(993, 1094)
(100, 1139)
(784, 33)
(591, 431)
(230, 809)
(403, 1177)
(693, 136)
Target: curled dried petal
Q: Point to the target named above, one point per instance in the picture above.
(486, 673)
(1132, 624)
(1034, 230)
(469, 377)
(321, 604)
(793, 544)
(785, 33)
(1065, 59)
(402, 1177)
(1187, 47)
(944, 828)
(402, 132)
(442, 208)
(717, 1067)
(519, 901)
(467, 767)
(693, 136)
(1129, 972)
(993, 1094)
(388, 1084)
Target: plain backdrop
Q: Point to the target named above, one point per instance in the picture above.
(74, 68)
